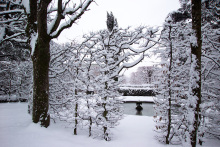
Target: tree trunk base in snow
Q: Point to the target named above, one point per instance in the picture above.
(41, 59)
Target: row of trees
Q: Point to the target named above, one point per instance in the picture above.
(15, 71)
(187, 104)
(15, 80)
(188, 97)
(71, 68)
(85, 76)
(144, 75)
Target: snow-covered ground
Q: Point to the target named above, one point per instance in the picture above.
(149, 99)
(17, 130)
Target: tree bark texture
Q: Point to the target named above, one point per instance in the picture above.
(196, 51)
(41, 59)
(32, 18)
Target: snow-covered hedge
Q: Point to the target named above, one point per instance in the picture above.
(137, 92)
(12, 98)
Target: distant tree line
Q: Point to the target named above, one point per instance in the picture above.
(143, 75)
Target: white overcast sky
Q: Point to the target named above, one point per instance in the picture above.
(127, 12)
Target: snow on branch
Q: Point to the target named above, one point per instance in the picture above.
(216, 62)
(13, 37)
(26, 5)
(74, 13)
(132, 64)
(121, 45)
(11, 11)
(13, 21)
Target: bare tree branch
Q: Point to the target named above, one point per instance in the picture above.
(216, 62)
(11, 11)
(12, 37)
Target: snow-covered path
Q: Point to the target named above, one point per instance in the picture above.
(17, 130)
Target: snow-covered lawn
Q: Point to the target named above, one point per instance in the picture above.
(17, 130)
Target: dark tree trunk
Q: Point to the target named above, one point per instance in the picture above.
(76, 105)
(37, 25)
(41, 59)
(88, 106)
(76, 121)
(76, 112)
(170, 90)
(105, 113)
(32, 18)
(196, 51)
(90, 126)
(41, 83)
(106, 137)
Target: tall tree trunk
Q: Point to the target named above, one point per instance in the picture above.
(196, 51)
(76, 111)
(170, 90)
(88, 94)
(37, 25)
(105, 113)
(41, 83)
(41, 59)
(76, 100)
